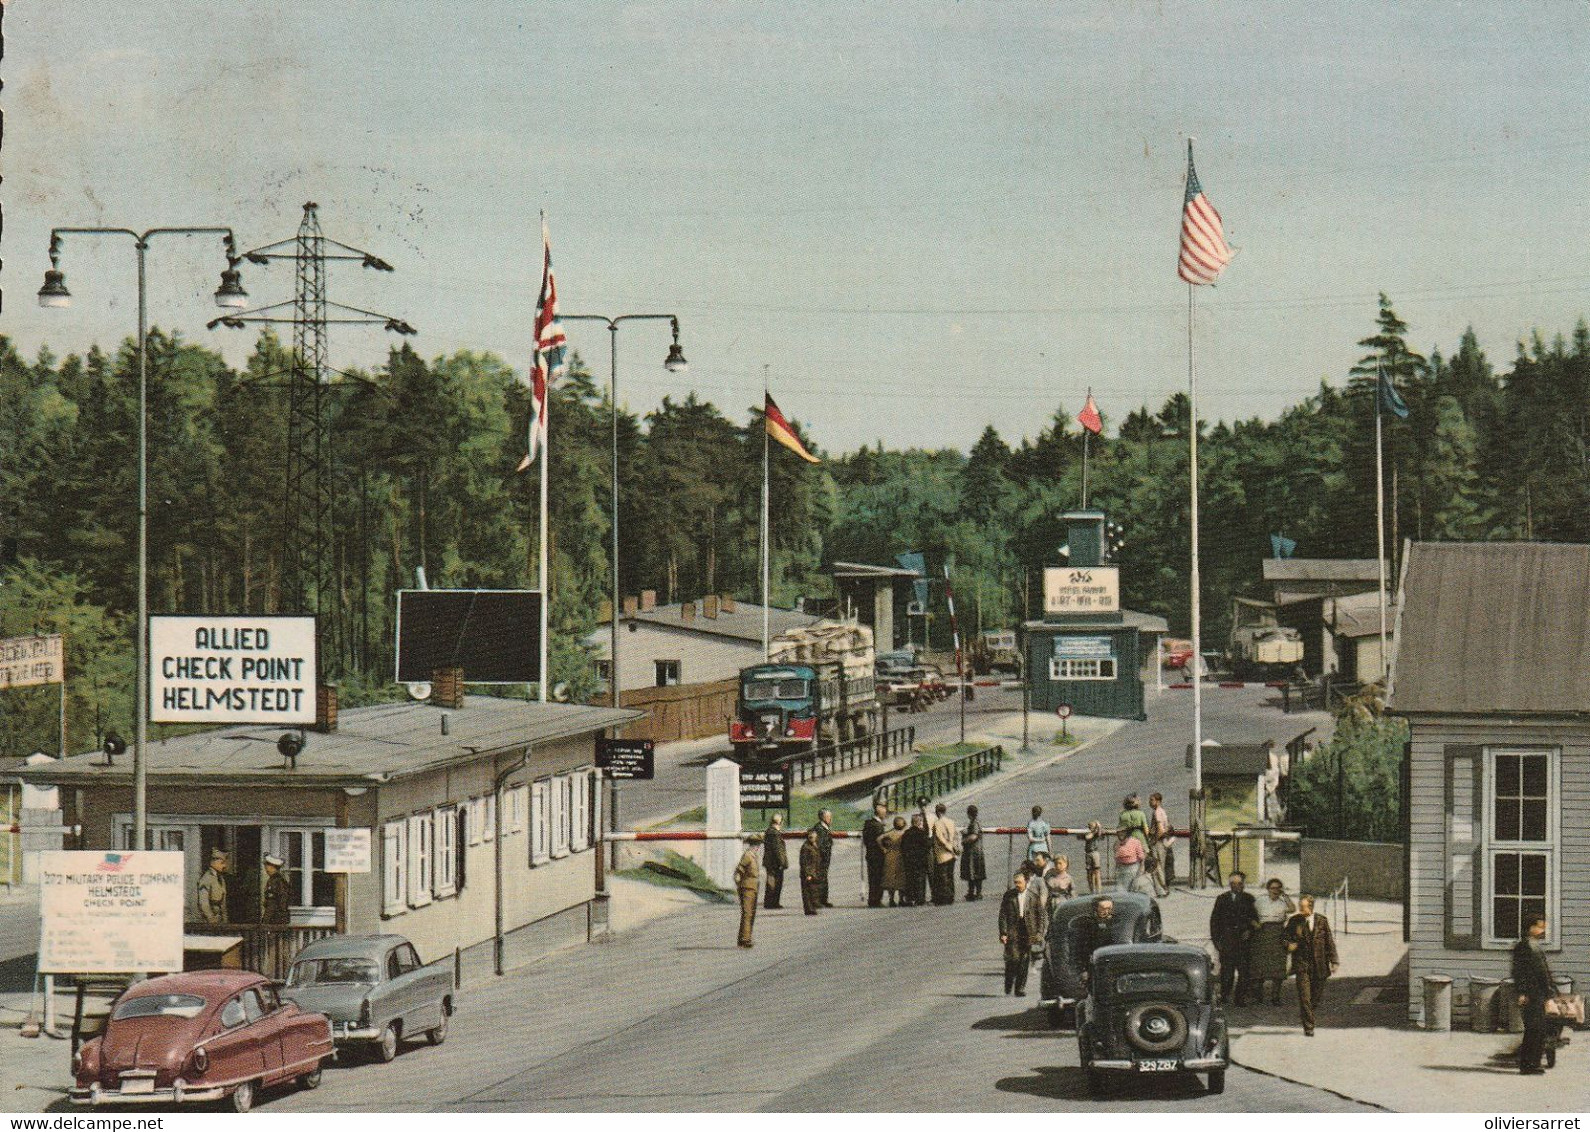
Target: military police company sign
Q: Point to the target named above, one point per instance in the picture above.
(232, 670)
(1082, 589)
(110, 912)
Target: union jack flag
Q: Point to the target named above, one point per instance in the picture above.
(549, 352)
(1204, 250)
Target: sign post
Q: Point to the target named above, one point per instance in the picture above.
(1064, 712)
(110, 913)
(764, 788)
(1081, 589)
(627, 759)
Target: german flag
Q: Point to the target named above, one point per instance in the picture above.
(780, 430)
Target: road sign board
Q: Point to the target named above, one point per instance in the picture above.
(764, 788)
(627, 759)
(1063, 711)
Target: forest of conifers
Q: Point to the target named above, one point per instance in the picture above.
(424, 453)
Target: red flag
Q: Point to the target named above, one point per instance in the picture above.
(1089, 417)
(780, 430)
(1204, 251)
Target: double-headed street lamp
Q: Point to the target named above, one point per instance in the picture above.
(230, 296)
(675, 363)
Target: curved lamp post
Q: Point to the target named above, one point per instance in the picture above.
(229, 295)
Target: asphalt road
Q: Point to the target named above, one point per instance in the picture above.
(874, 1009)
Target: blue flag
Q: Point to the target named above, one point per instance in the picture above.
(1390, 400)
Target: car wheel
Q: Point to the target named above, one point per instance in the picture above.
(242, 1098)
(436, 1035)
(310, 1080)
(386, 1046)
(1217, 1082)
(1156, 1027)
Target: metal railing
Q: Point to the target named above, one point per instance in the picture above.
(825, 762)
(937, 781)
(267, 948)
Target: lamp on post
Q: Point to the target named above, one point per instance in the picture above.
(54, 295)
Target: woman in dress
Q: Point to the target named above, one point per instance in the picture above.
(893, 862)
(1061, 886)
(916, 849)
(974, 870)
(1267, 952)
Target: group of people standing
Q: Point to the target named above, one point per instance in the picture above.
(265, 899)
(910, 862)
(1261, 940)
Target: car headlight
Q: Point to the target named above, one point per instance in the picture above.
(200, 1060)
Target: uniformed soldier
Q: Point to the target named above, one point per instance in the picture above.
(746, 877)
(276, 895)
(212, 889)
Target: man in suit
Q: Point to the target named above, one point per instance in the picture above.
(1095, 932)
(1023, 924)
(1313, 950)
(810, 866)
(775, 860)
(945, 849)
(870, 832)
(825, 854)
(745, 884)
(1534, 984)
(1231, 925)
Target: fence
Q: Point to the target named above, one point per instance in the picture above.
(936, 781)
(825, 762)
(684, 711)
(267, 948)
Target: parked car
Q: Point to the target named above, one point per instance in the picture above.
(200, 1036)
(375, 991)
(1136, 920)
(1151, 1008)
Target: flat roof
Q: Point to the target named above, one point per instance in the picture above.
(377, 743)
(1494, 628)
(862, 570)
(742, 623)
(1321, 570)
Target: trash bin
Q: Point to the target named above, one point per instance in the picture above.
(1564, 983)
(1509, 1014)
(1482, 1003)
(1437, 1002)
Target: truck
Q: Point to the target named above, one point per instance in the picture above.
(995, 650)
(817, 687)
(1261, 647)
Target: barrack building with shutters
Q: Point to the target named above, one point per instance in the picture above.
(1492, 673)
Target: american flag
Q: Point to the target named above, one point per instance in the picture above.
(550, 345)
(1204, 250)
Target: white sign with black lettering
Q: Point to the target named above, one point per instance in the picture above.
(347, 851)
(104, 912)
(27, 662)
(1082, 589)
(232, 670)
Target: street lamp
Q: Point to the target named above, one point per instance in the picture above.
(675, 363)
(55, 296)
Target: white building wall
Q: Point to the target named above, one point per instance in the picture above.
(703, 657)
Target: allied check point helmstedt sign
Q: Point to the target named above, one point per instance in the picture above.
(232, 670)
(104, 912)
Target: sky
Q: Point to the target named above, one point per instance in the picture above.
(916, 218)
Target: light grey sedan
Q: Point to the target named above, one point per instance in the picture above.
(375, 991)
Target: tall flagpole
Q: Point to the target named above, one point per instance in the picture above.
(1380, 509)
(546, 402)
(767, 639)
(1197, 632)
(1087, 435)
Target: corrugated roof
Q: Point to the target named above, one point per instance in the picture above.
(743, 622)
(1494, 628)
(381, 742)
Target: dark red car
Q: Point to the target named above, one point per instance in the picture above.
(200, 1036)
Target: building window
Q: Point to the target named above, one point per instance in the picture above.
(1071, 668)
(604, 670)
(394, 867)
(667, 673)
(514, 821)
(421, 847)
(1520, 851)
(446, 851)
(540, 822)
(304, 851)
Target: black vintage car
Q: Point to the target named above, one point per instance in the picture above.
(1151, 1009)
(1073, 937)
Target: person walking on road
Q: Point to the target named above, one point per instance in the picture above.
(1534, 984)
(1038, 832)
(810, 866)
(212, 888)
(1130, 853)
(775, 861)
(746, 878)
(1232, 922)
(946, 847)
(974, 869)
(871, 831)
(825, 854)
(1267, 951)
(1313, 950)
(894, 862)
(917, 849)
(1093, 857)
(1133, 821)
(1023, 924)
(1159, 834)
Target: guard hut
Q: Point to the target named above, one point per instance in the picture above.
(1087, 651)
(880, 597)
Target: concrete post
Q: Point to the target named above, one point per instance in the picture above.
(723, 813)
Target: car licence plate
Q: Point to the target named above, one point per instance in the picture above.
(137, 1086)
(1162, 1065)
